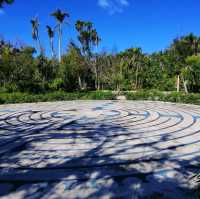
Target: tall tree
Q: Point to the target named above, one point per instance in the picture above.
(35, 33)
(192, 73)
(60, 17)
(88, 38)
(194, 42)
(96, 40)
(134, 59)
(73, 68)
(50, 32)
(180, 49)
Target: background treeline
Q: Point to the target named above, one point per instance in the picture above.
(81, 68)
(21, 70)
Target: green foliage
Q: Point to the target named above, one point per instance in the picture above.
(87, 36)
(56, 84)
(99, 95)
(18, 97)
(155, 95)
(192, 72)
(81, 68)
(152, 95)
(22, 71)
(59, 15)
(70, 69)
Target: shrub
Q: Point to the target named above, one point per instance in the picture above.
(155, 95)
(18, 97)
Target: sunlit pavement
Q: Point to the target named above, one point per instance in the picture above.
(99, 149)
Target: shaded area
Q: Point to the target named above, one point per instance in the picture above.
(59, 155)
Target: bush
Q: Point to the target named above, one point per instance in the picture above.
(152, 95)
(99, 95)
(18, 97)
(155, 95)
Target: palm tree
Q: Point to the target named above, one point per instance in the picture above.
(51, 36)
(60, 17)
(88, 37)
(135, 60)
(96, 40)
(35, 32)
(195, 43)
(79, 25)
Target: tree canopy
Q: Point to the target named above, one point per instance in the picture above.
(80, 67)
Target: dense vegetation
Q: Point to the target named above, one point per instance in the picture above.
(21, 69)
(27, 68)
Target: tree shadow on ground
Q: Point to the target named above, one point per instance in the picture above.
(89, 160)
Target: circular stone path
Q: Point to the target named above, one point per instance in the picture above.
(99, 149)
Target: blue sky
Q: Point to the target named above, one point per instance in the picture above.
(149, 24)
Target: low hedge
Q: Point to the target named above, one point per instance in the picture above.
(154, 95)
(151, 95)
(6, 98)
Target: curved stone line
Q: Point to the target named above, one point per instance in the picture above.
(106, 164)
(109, 138)
(129, 153)
(145, 144)
(144, 132)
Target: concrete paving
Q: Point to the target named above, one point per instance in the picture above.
(99, 149)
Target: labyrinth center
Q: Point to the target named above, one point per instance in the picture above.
(98, 146)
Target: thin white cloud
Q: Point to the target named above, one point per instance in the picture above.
(113, 6)
(2, 12)
(124, 2)
(104, 3)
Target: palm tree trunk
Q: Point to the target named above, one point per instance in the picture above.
(59, 41)
(99, 78)
(39, 44)
(96, 77)
(178, 84)
(98, 84)
(185, 85)
(96, 73)
(136, 78)
(52, 47)
(80, 82)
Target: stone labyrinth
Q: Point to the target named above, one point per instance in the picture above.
(99, 149)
